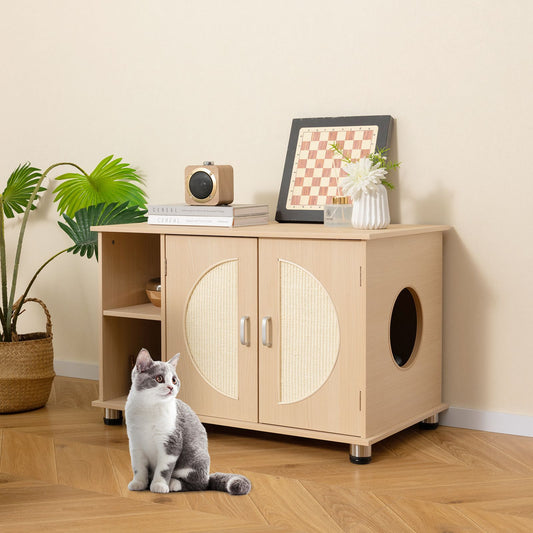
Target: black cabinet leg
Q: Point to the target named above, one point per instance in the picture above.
(431, 422)
(360, 455)
(112, 417)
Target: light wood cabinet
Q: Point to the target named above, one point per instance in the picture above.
(306, 330)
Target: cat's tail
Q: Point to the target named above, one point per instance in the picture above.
(233, 483)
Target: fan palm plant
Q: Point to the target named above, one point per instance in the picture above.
(111, 194)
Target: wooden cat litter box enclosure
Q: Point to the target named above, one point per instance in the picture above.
(306, 330)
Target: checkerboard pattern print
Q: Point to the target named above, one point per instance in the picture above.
(316, 169)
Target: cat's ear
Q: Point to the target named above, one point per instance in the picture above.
(174, 360)
(144, 361)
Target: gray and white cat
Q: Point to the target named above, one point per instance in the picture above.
(168, 443)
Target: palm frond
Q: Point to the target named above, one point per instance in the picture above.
(78, 228)
(111, 181)
(19, 189)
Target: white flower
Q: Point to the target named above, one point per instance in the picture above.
(363, 177)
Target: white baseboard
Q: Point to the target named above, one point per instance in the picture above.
(454, 417)
(488, 421)
(72, 369)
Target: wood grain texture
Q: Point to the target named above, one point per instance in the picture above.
(393, 393)
(276, 230)
(62, 469)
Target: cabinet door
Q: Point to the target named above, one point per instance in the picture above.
(310, 352)
(211, 301)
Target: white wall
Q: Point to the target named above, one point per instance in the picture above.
(168, 83)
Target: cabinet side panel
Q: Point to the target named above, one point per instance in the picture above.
(397, 393)
(101, 240)
(163, 268)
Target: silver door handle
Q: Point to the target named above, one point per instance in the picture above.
(245, 331)
(266, 328)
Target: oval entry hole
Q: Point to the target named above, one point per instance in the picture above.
(404, 326)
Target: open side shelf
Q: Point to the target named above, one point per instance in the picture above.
(129, 321)
(146, 311)
(116, 403)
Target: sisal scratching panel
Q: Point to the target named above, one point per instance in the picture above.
(309, 329)
(211, 325)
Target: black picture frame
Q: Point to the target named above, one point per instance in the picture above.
(298, 200)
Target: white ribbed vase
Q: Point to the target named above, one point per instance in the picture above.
(371, 209)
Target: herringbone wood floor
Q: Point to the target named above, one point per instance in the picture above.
(62, 469)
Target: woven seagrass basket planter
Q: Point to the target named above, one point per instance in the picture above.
(27, 369)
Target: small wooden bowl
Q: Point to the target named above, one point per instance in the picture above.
(153, 291)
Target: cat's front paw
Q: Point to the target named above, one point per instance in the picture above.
(175, 485)
(159, 486)
(136, 484)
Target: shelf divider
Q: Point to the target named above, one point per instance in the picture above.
(146, 311)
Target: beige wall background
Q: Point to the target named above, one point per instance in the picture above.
(168, 83)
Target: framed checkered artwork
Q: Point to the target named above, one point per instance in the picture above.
(312, 169)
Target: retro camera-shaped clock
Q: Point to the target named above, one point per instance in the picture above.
(208, 184)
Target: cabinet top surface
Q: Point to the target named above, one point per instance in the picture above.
(276, 230)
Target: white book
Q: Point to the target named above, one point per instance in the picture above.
(234, 210)
(223, 221)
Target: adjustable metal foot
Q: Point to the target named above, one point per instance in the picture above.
(112, 417)
(360, 455)
(431, 422)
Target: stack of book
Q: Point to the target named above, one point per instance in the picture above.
(229, 216)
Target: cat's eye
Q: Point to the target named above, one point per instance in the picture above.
(159, 379)
(174, 380)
